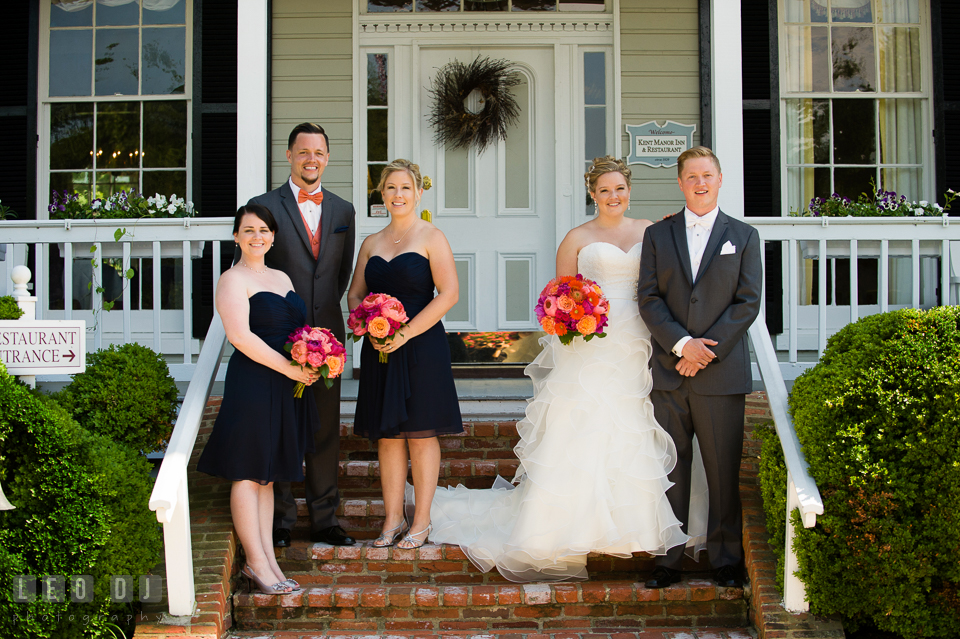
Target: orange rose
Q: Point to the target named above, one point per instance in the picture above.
(549, 325)
(379, 327)
(576, 312)
(561, 329)
(565, 303)
(587, 325)
(335, 364)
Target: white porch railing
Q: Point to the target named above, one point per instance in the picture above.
(170, 499)
(148, 238)
(913, 239)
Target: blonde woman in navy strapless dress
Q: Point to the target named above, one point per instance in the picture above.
(406, 402)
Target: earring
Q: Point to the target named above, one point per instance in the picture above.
(596, 209)
(628, 205)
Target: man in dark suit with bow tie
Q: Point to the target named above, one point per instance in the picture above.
(699, 291)
(314, 246)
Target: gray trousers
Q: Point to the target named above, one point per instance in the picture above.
(717, 421)
(322, 494)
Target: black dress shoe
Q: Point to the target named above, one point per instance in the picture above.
(334, 535)
(729, 577)
(281, 537)
(663, 577)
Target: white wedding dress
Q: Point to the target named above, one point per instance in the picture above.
(593, 460)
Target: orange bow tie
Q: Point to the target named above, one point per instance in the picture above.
(316, 198)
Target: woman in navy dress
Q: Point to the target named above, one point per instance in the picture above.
(262, 431)
(406, 402)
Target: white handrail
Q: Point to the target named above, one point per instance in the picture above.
(802, 490)
(169, 498)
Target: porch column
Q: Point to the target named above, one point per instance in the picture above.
(727, 101)
(251, 98)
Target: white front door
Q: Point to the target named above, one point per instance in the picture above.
(497, 208)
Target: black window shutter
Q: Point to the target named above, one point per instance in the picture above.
(945, 20)
(761, 137)
(214, 138)
(18, 108)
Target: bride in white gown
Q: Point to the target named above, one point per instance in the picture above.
(593, 460)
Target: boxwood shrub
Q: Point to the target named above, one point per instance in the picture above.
(80, 509)
(126, 394)
(9, 309)
(879, 422)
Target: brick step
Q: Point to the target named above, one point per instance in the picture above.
(360, 479)
(321, 564)
(698, 633)
(587, 607)
(480, 440)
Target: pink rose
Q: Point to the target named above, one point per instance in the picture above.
(335, 364)
(371, 302)
(315, 359)
(359, 330)
(550, 306)
(315, 334)
(392, 309)
(299, 352)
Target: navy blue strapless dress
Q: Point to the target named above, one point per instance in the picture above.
(411, 396)
(262, 431)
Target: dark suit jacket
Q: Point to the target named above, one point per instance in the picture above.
(721, 306)
(323, 282)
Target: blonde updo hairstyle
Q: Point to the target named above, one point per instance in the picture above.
(413, 170)
(606, 164)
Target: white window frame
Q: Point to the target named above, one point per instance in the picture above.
(44, 100)
(927, 163)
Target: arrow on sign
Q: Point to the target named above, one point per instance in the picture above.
(70, 356)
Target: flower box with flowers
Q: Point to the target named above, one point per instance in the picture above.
(880, 203)
(124, 205)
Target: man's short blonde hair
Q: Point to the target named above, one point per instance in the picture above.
(693, 154)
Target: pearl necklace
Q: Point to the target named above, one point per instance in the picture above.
(242, 263)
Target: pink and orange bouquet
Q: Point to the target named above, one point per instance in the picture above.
(570, 306)
(379, 317)
(316, 348)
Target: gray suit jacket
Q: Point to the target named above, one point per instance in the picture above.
(721, 305)
(323, 282)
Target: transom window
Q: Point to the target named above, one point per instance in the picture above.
(431, 6)
(855, 98)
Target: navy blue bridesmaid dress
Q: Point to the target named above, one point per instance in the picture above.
(412, 396)
(262, 431)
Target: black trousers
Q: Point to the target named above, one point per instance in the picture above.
(717, 421)
(322, 468)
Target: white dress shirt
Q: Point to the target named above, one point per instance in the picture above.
(311, 212)
(699, 228)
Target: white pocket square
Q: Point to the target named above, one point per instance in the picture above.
(728, 249)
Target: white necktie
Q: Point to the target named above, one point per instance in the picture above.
(701, 230)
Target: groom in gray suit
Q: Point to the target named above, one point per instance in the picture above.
(699, 292)
(314, 246)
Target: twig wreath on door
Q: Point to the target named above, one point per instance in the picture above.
(473, 104)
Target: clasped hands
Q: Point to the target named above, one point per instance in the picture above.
(696, 356)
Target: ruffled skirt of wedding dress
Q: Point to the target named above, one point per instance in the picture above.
(593, 467)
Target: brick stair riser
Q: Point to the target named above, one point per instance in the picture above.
(320, 564)
(480, 440)
(594, 606)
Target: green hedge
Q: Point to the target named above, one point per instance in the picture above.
(879, 422)
(9, 309)
(126, 394)
(81, 509)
